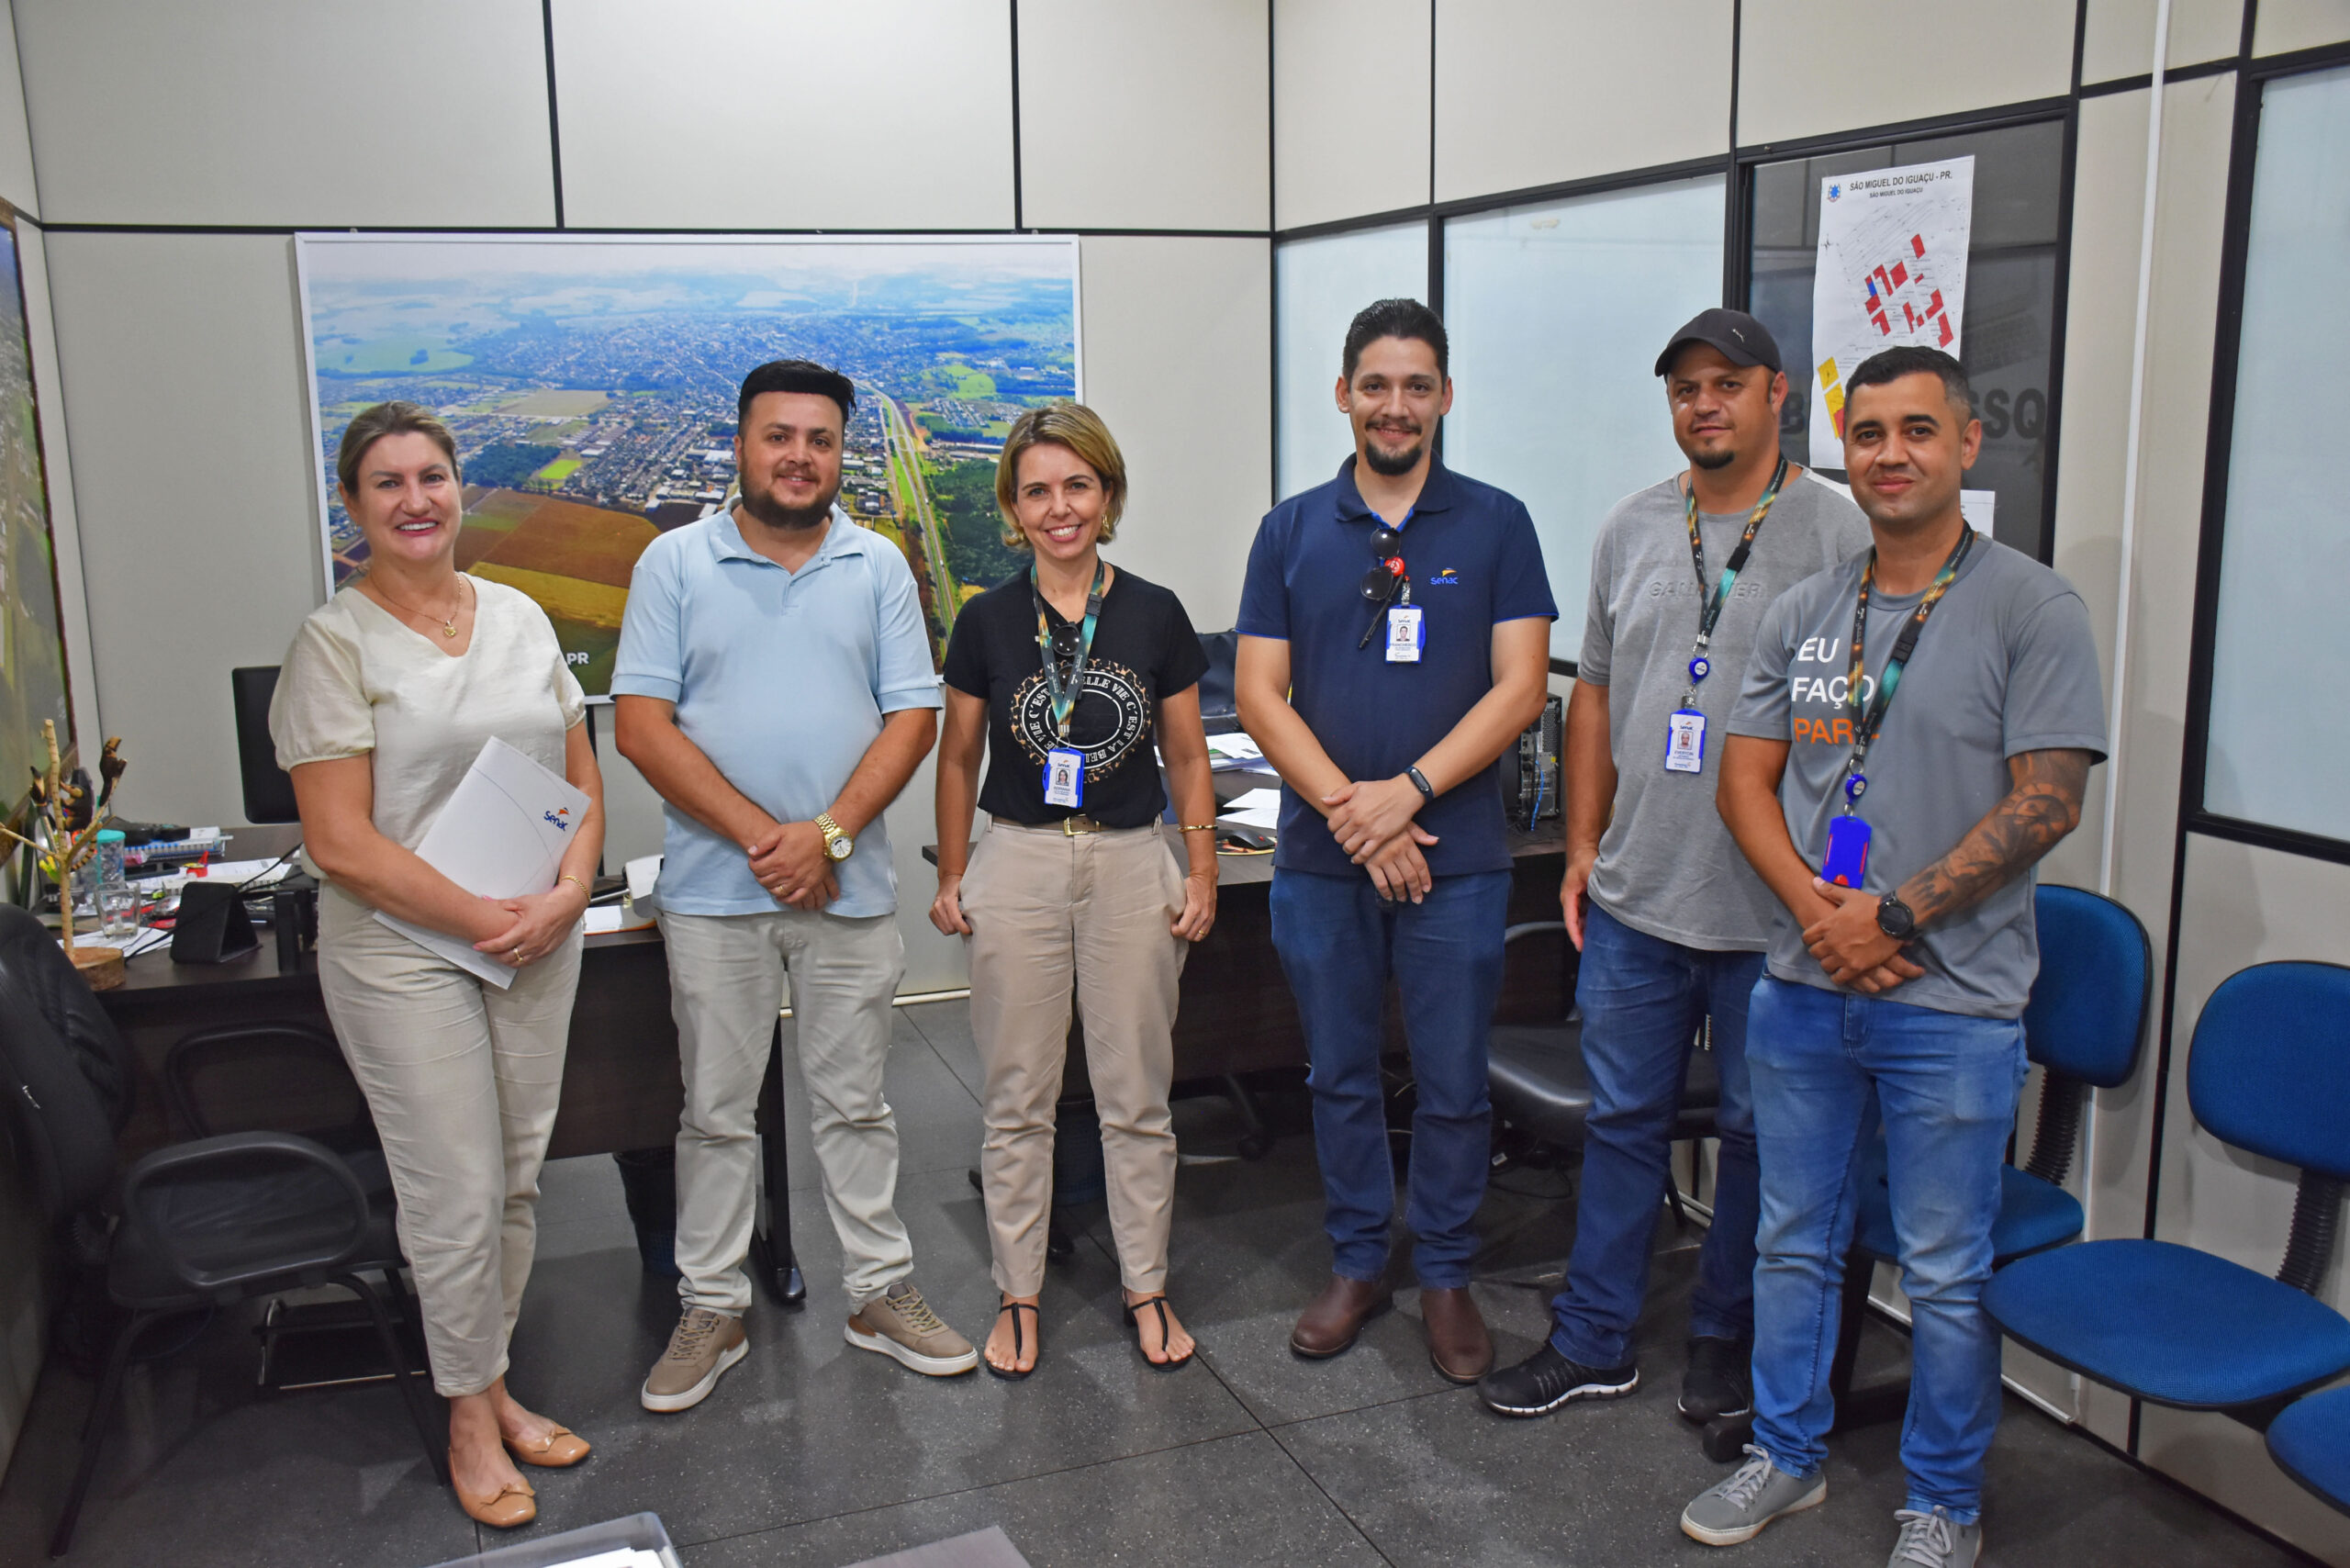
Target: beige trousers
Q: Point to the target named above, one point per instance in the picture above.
(1049, 910)
(463, 1080)
(725, 991)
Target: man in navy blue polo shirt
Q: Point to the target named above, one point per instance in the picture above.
(1394, 640)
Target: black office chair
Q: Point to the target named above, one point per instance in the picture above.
(1539, 1085)
(269, 792)
(1219, 708)
(208, 1223)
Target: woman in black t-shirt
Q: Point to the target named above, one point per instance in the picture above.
(1064, 676)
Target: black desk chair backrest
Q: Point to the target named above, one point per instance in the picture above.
(269, 792)
(69, 1081)
(213, 1079)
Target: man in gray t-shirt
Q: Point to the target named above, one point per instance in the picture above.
(1898, 986)
(1670, 919)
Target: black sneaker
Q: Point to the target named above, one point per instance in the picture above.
(1720, 1379)
(1547, 1380)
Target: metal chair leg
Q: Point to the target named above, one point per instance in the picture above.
(93, 1432)
(434, 1454)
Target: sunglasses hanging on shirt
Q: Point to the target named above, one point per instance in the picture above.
(1388, 587)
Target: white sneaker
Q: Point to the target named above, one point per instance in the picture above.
(704, 1344)
(901, 1326)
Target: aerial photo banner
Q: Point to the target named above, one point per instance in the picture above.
(591, 383)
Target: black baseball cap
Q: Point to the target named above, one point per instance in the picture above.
(1741, 339)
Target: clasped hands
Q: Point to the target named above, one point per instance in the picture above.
(1374, 823)
(1850, 945)
(533, 926)
(789, 862)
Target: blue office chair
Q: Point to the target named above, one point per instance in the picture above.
(2268, 1072)
(2311, 1443)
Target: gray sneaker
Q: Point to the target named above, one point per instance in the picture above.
(1739, 1508)
(1934, 1540)
(901, 1326)
(704, 1344)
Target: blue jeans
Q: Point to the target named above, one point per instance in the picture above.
(1338, 943)
(1644, 1000)
(1947, 1085)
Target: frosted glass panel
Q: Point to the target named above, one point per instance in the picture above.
(1557, 313)
(2279, 745)
(1318, 284)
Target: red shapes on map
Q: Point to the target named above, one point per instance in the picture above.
(1900, 274)
(1947, 334)
(1917, 245)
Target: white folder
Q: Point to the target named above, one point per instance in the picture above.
(502, 834)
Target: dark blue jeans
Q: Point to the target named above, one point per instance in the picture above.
(1643, 1001)
(1338, 943)
(1947, 1085)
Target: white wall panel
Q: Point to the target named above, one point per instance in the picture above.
(2242, 906)
(892, 114)
(1178, 360)
(2283, 26)
(306, 113)
(1535, 92)
(1350, 108)
(1144, 117)
(217, 504)
(16, 133)
(2120, 36)
(1809, 67)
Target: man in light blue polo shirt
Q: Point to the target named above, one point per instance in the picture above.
(775, 685)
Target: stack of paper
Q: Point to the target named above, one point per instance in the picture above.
(619, 1557)
(1256, 809)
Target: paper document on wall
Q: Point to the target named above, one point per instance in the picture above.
(1891, 271)
(502, 834)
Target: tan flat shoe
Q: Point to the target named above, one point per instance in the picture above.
(506, 1508)
(559, 1449)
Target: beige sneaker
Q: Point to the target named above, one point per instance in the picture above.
(704, 1344)
(901, 1326)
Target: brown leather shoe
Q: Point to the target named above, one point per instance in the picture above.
(559, 1449)
(1331, 1320)
(1458, 1344)
(513, 1505)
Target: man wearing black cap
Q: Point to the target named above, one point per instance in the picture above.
(1670, 919)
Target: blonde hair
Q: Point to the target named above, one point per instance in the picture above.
(1078, 428)
(371, 425)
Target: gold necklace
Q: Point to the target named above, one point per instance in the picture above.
(448, 621)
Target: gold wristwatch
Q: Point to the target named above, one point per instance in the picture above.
(838, 845)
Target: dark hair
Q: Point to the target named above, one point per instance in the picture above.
(1892, 364)
(796, 375)
(1395, 318)
(371, 425)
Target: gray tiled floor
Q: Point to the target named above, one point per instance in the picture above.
(809, 1453)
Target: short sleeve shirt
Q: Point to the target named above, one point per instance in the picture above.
(359, 682)
(2006, 664)
(1144, 651)
(1667, 866)
(1475, 563)
(782, 679)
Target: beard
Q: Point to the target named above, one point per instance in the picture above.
(762, 505)
(1709, 461)
(1394, 465)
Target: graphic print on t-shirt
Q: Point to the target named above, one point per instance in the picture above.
(1817, 692)
(1113, 698)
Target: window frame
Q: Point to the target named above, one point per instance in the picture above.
(2252, 76)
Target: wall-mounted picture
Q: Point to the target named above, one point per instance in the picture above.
(32, 645)
(591, 385)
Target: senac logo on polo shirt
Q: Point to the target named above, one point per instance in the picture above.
(1445, 578)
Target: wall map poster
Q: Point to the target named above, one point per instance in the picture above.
(591, 386)
(32, 643)
(1892, 272)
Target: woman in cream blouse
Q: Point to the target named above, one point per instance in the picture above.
(386, 698)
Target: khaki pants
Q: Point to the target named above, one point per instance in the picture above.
(725, 989)
(463, 1080)
(1049, 909)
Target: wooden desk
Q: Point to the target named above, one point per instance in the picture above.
(622, 1086)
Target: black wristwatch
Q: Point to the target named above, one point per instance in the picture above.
(1420, 782)
(1893, 918)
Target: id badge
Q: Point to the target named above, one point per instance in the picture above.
(1407, 633)
(1684, 742)
(1848, 852)
(1064, 778)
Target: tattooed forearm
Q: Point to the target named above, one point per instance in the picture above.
(2042, 805)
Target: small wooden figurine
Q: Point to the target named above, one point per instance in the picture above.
(57, 802)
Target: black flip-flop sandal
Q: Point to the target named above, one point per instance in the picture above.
(1016, 1308)
(1166, 1333)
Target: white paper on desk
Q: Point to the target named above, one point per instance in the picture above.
(1254, 800)
(501, 833)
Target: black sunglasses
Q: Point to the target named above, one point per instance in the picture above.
(1379, 583)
